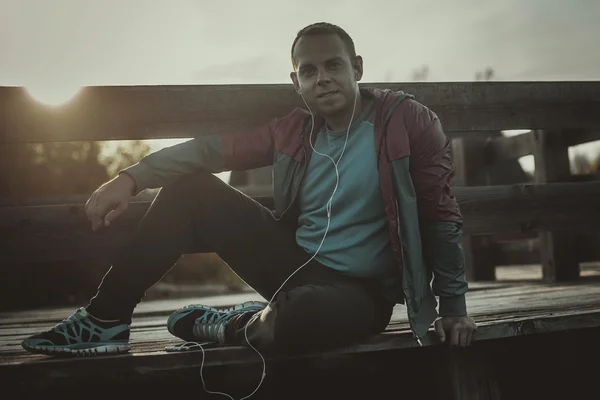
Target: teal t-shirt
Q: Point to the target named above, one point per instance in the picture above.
(357, 242)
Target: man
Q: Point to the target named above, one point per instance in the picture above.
(363, 219)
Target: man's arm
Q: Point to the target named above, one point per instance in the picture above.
(432, 168)
(212, 153)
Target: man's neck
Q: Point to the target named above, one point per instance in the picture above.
(341, 121)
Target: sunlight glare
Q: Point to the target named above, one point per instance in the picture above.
(52, 94)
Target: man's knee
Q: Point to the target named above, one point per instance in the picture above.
(319, 317)
(188, 185)
(198, 191)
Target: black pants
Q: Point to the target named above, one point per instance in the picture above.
(318, 308)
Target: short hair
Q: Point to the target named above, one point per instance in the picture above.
(324, 28)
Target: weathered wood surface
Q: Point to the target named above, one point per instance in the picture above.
(501, 309)
(62, 232)
(557, 249)
(520, 252)
(501, 149)
(470, 171)
(508, 148)
(158, 112)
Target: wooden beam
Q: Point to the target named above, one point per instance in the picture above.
(558, 256)
(514, 147)
(152, 364)
(509, 148)
(576, 137)
(469, 157)
(62, 232)
(152, 112)
(527, 252)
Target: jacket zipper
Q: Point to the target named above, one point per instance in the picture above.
(402, 251)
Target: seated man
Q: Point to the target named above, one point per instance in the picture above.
(363, 218)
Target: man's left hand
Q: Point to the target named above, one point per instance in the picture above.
(457, 331)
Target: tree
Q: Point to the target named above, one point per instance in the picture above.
(485, 75)
(420, 74)
(42, 170)
(36, 173)
(581, 165)
(595, 166)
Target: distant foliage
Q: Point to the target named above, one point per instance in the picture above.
(485, 75)
(43, 170)
(420, 74)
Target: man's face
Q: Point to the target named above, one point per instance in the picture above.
(326, 74)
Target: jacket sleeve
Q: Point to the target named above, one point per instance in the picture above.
(432, 168)
(212, 153)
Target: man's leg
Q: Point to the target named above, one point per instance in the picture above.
(196, 213)
(200, 213)
(316, 316)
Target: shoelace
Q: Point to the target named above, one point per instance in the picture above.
(209, 325)
(66, 323)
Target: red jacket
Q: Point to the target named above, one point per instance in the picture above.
(415, 169)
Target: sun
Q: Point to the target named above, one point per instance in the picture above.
(53, 94)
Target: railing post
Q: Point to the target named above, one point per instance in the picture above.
(469, 160)
(557, 249)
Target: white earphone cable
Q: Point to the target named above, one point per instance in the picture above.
(329, 207)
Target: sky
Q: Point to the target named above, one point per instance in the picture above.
(53, 45)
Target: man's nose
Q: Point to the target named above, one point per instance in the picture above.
(323, 77)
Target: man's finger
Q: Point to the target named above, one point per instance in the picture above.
(95, 216)
(463, 338)
(96, 224)
(440, 330)
(454, 337)
(114, 214)
(89, 206)
(469, 337)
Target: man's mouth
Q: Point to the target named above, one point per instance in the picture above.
(328, 94)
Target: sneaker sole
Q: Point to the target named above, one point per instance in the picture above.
(89, 351)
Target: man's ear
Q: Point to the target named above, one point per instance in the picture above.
(358, 68)
(294, 78)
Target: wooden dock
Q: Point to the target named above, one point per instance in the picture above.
(517, 306)
(538, 325)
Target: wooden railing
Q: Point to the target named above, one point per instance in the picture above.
(560, 252)
(560, 114)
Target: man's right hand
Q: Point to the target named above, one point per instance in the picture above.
(109, 201)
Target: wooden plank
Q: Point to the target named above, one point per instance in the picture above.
(472, 375)
(557, 249)
(151, 112)
(150, 363)
(62, 232)
(515, 147)
(576, 137)
(501, 312)
(469, 157)
(509, 148)
(528, 251)
(504, 209)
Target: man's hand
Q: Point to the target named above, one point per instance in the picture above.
(457, 331)
(109, 201)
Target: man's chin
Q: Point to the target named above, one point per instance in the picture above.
(330, 109)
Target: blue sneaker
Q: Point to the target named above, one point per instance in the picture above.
(81, 334)
(198, 322)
